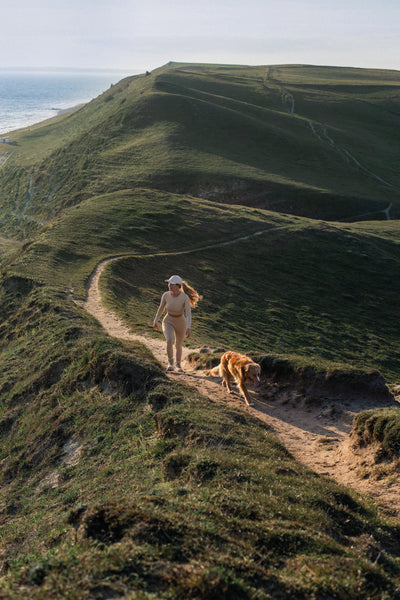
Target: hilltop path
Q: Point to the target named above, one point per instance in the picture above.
(317, 436)
(320, 131)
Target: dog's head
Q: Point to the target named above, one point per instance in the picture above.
(252, 373)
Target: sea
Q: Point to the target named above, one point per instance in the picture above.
(31, 96)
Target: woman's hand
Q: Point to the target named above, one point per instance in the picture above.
(188, 332)
(155, 325)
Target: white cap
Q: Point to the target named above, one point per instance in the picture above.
(175, 279)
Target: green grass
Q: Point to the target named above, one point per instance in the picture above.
(173, 495)
(382, 427)
(169, 494)
(141, 222)
(149, 132)
(325, 293)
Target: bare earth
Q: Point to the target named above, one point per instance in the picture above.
(318, 436)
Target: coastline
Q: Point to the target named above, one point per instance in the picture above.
(31, 97)
(64, 111)
(58, 113)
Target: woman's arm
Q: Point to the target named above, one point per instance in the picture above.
(160, 311)
(188, 312)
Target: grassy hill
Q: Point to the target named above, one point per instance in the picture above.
(222, 133)
(117, 482)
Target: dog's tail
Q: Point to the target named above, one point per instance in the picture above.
(216, 371)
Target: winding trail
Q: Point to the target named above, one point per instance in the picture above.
(321, 133)
(317, 436)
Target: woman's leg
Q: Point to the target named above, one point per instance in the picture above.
(180, 332)
(169, 336)
(178, 354)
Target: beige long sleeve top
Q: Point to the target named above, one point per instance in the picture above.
(176, 305)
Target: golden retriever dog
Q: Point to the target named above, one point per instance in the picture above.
(240, 367)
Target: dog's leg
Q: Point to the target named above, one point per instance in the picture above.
(226, 379)
(227, 384)
(245, 394)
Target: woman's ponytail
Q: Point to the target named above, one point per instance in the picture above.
(194, 296)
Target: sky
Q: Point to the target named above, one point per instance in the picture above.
(139, 35)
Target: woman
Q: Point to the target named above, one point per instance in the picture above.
(178, 301)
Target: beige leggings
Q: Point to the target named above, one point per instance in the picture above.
(174, 327)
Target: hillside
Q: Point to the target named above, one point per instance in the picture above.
(268, 189)
(318, 142)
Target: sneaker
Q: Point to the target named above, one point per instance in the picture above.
(179, 369)
(170, 368)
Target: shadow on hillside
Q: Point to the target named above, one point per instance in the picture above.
(321, 411)
(302, 419)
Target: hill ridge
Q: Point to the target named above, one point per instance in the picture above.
(280, 162)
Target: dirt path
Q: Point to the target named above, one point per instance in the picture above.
(321, 133)
(316, 435)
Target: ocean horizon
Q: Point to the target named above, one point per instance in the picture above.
(31, 96)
